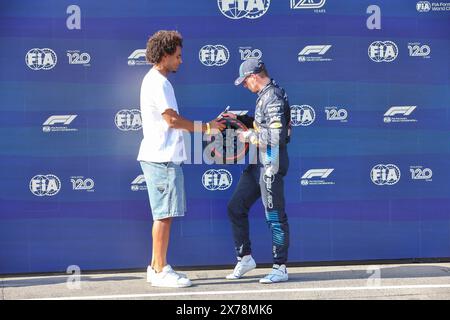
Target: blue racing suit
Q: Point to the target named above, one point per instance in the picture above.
(265, 179)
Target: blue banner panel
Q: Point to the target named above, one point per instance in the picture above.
(368, 87)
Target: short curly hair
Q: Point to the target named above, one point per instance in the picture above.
(162, 42)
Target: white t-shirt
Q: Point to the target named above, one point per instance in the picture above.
(160, 143)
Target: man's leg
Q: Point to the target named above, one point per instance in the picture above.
(244, 196)
(161, 236)
(166, 193)
(272, 193)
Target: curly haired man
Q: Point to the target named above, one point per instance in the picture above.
(162, 151)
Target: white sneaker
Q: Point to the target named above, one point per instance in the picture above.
(244, 265)
(169, 278)
(278, 274)
(151, 272)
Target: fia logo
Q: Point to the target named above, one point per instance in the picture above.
(385, 174)
(45, 185)
(128, 120)
(51, 124)
(421, 173)
(238, 9)
(214, 55)
(383, 51)
(77, 57)
(217, 179)
(79, 183)
(41, 59)
(322, 174)
(139, 184)
(335, 114)
(423, 6)
(303, 115)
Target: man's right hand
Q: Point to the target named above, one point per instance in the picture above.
(215, 126)
(229, 115)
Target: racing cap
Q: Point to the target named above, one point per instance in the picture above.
(248, 67)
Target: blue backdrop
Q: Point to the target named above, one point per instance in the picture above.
(369, 92)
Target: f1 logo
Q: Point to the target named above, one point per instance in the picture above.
(137, 54)
(64, 119)
(137, 58)
(321, 173)
(406, 111)
(139, 183)
(319, 49)
(139, 180)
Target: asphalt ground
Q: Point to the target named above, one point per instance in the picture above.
(424, 281)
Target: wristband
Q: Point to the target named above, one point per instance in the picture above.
(208, 128)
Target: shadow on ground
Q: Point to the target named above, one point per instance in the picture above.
(384, 273)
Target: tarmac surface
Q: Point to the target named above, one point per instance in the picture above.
(424, 281)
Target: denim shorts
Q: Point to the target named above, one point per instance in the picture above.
(165, 185)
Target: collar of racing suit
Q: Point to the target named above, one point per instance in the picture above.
(263, 90)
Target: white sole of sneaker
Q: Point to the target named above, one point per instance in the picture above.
(232, 278)
(270, 282)
(182, 275)
(172, 286)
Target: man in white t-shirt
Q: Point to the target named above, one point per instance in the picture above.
(162, 151)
